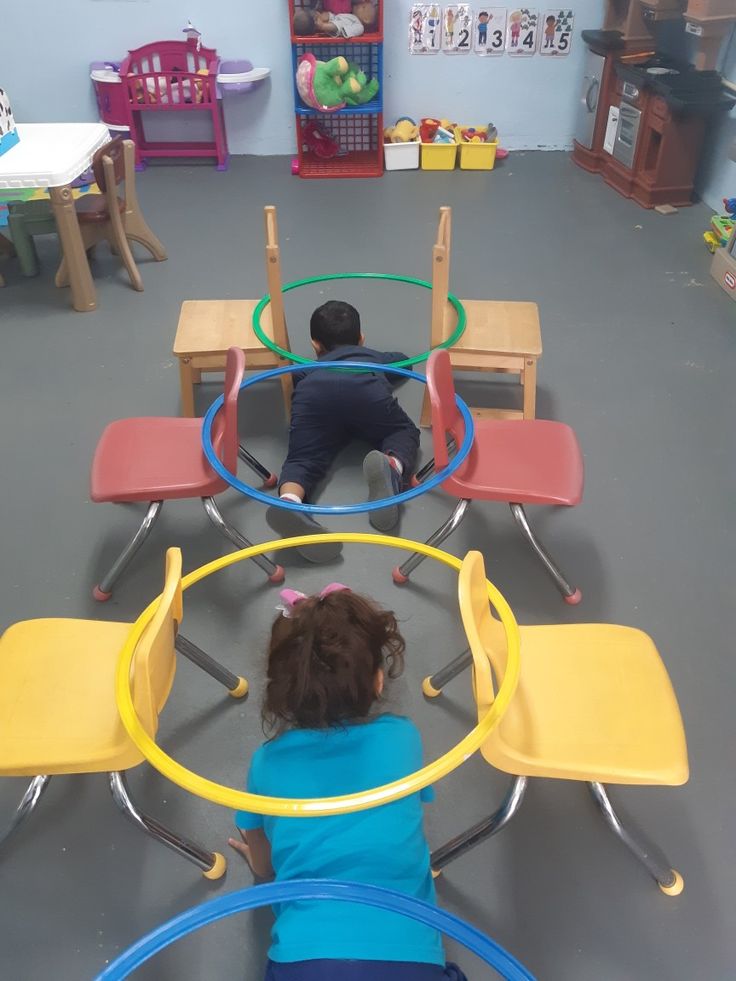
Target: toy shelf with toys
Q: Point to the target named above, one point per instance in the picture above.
(306, 23)
(337, 61)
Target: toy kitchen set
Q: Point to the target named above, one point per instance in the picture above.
(643, 114)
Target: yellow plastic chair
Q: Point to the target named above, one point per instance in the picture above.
(594, 702)
(58, 713)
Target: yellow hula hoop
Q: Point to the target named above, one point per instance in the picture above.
(315, 807)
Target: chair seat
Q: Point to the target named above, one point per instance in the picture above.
(152, 459)
(524, 461)
(57, 698)
(92, 208)
(594, 702)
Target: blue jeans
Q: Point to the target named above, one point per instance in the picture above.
(331, 970)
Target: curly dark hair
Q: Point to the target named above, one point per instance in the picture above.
(323, 661)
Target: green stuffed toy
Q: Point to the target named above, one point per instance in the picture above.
(330, 85)
(367, 89)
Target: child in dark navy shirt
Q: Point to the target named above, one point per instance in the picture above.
(331, 407)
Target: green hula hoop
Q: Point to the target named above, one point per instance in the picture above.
(406, 363)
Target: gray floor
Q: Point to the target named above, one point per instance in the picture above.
(639, 358)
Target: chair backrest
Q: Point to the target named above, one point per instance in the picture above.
(154, 661)
(273, 277)
(225, 428)
(115, 150)
(485, 633)
(446, 417)
(441, 276)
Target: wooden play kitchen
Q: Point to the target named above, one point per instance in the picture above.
(643, 116)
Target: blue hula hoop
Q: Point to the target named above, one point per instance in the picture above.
(349, 892)
(408, 495)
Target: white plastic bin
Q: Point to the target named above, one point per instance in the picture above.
(401, 156)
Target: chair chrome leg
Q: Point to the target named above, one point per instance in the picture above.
(28, 803)
(401, 572)
(269, 479)
(432, 686)
(421, 475)
(237, 686)
(570, 595)
(212, 864)
(484, 829)
(103, 591)
(274, 572)
(650, 855)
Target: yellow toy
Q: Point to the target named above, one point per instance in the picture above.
(405, 131)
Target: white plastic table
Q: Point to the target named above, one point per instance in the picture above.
(52, 155)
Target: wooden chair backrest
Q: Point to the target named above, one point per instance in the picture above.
(441, 275)
(273, 277)
(103, 176)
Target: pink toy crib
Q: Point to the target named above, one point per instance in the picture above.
(174, 76)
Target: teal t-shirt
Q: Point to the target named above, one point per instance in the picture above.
(383, 846)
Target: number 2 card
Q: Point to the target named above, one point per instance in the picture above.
(489, 31)
(457, 29)
(556, 32)
(521, 31)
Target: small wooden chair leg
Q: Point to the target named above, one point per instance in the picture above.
(287, 389)
(529, 383)
(186, 384)
(425, 420)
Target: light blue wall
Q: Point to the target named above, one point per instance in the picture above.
(45, 70)
(717, 177)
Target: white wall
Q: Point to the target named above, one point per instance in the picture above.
(45, 67)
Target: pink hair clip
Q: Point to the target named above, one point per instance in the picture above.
(293, 597)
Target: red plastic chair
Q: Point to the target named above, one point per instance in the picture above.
(520, 461)
(159, 459)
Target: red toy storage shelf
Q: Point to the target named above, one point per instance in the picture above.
(360, 138)
(374, 37)
(362, 164)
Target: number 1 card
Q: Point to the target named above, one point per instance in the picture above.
(490, 30)
(556, 32)
(521, 31)
(457, 30)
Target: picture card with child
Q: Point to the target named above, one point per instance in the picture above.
(521, 32)
(425, 28)
(457, 29)
(489, 34)
(556, 35)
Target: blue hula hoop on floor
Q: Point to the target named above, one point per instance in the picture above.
(349, 892)
(233, 480)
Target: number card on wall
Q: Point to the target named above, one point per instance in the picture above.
(490, 31)
(457, 30)
(521, 31)
(425, 29)
(556, 32)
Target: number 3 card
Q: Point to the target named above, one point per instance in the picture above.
(521, 31)
(556, 32)
(490, 30)
(457, 33)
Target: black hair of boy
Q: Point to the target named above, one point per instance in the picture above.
(335, 324)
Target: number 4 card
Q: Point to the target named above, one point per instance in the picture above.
(490, 30)
(556, 32)
(521, 31)
(457, 34)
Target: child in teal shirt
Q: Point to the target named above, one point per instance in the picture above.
(327, 662)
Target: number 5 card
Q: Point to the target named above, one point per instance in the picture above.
(556, 32)
(489, 31)
(521, 31)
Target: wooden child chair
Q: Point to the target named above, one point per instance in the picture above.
(107, 217)
(208, 328)
(500, 336)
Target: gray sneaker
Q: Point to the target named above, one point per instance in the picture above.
(290, 524)
(382, 482)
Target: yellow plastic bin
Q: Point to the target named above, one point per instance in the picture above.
(439, 156)
(478, 156)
